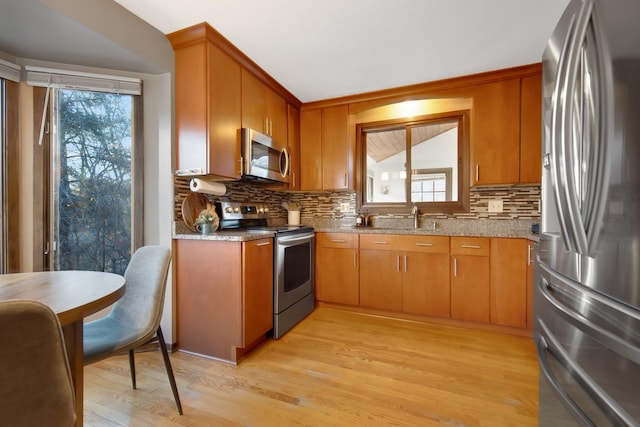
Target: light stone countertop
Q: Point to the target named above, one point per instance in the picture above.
(182, 232)
(443, 227)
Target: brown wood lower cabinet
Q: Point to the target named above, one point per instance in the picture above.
(470, 289)
(337, 278)
(509, 299)
(405, 273)
(466, 280)
(224, 295)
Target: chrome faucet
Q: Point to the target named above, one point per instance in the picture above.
(415, 213)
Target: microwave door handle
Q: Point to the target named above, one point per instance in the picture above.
(284, 171)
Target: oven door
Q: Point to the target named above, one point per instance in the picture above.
(293, 269)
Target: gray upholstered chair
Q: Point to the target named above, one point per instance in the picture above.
(36, 388)
(135, 318)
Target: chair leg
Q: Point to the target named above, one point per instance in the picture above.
(132, 368)
(167, 365)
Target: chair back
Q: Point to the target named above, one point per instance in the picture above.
(146, 280)
(36, 388)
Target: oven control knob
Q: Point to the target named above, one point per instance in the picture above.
(266, 209)
(236, 209)
(228, 209)
(260, 210)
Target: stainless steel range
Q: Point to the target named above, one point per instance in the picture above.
(293, 261)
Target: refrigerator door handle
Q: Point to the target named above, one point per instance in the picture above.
(546, 343)
(558, 143)
(581, 127)
(623, 347)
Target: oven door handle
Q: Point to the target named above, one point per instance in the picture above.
(295, 239)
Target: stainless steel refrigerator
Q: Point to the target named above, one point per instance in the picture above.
(587, 270)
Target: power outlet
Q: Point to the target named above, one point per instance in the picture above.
(344, 207)
(495, 206)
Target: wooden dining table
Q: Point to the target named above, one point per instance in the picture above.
(72, 295)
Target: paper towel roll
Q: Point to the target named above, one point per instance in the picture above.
(198, 185)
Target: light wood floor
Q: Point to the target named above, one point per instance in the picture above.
(333, 369)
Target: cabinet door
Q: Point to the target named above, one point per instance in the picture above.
(224, 114)
(509, 282)
(254, 103)
(257, 298)
(337, 275)
(311, 150)
(293, 141)
(208, 296)
(530, 285)
(335, 148)
(277, 117)
(495, 133)
(380, 280)
(470, 294)
(425, 284)
(531, 130)
(207, 121)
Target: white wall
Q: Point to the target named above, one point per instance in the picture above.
(158, 183)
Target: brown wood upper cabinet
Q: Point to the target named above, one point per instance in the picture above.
(208, 107)
(531, 130)
(326, 149)
(495, 133)
(506, 132)
(293, 141)
(263, 109)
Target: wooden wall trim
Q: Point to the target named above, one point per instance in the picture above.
(364, 101)
(203, 31)
(40, 185)
(12, 175)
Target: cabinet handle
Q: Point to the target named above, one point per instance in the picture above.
(529, 260)
(424, 244)
(241, 163)
(355, 259)
(470, 246)
(338, 241)
(405, 263)
(293, 178)
(477, 172)
(455, 267)
(270, 127)
(380, 242)
(398, 263)
(263, 244)
(265, 126)
(346, 182)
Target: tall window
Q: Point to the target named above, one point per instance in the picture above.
(92, 180)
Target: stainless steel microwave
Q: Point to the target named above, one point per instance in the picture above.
(263, 158)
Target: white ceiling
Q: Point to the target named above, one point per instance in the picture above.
(320, 49)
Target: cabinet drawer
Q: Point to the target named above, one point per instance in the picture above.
(337, 240)
(478, 246)
(428, 244)
(382, 242)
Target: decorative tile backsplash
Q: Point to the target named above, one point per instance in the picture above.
(519, 202)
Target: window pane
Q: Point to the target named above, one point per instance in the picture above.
(386, 170)
(435, 146)
(93, 185)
